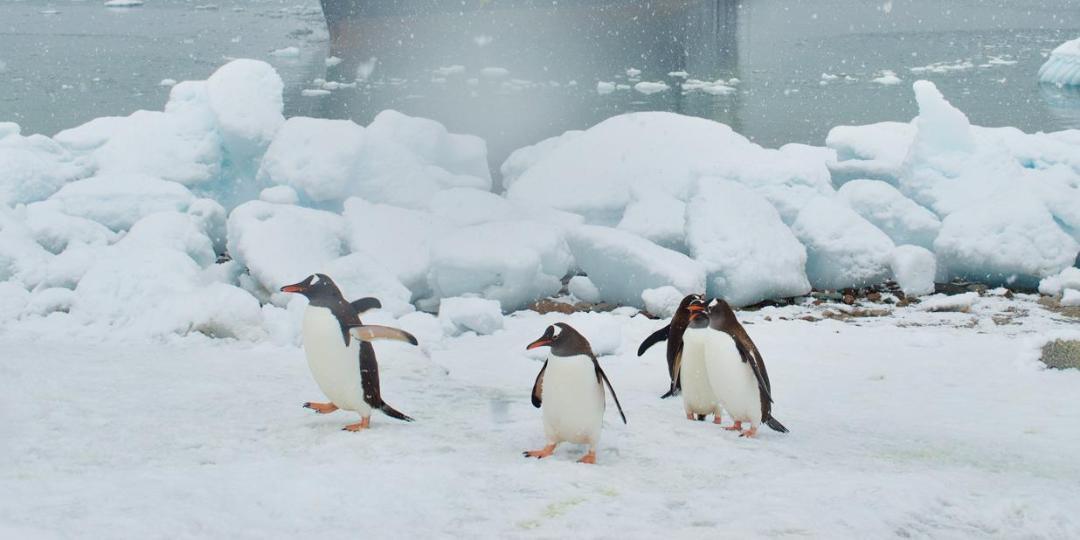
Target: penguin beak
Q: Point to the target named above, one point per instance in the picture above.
(542, 342)
(694, 308)
(294, 288)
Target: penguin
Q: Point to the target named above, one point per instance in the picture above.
(339, 352)
(570, 391)
(673, 334)
(689, 369)
(736, 370)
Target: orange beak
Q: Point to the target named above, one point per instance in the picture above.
(294, 288)
(542, 342)
(694, 308)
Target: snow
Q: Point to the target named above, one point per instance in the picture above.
(316, 157)
(478, 315)
(748, 252)
(49, 300)
(877, 465)
(118, 201)
(359, 275)
(914, 269)
(583, 289)
(1063, 66)
(655, 215)
(843, 249)
(173, 230)
(662, 301)
(874, 151)
(13, 300)
(622, 265)
(398, 238)
(458, 154)
(1068, 278)
(56, 231)
(889, 210)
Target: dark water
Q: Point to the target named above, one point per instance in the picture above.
(90, 61)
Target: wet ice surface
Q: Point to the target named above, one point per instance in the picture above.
(912, 424)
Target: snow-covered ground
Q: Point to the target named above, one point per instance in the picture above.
(913, 425)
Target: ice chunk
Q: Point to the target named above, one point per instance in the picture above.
(464, 155)
(583, 289)
(887, 77)
(118, 201)
(1004, 240)
(604, 88)
(1068, 278)
(282, 244)
(223, 311)
(245, 96)
(425, 326)
(331, 160)
(914, 269)
(650, 149)
(210, 216)
(1063, 66)
(463, 206)
(123, 3)
(874, 151)
(286, 52)
(748, 252)
(50, 300)
(1070, 298)
(650, 87)
(174, 230)
(843, 249)
(941, 302)
(896, 215)
(66, 269)
(523, 159)
(513, 262)
(463, 314)
(34, 167)
(622, 265)
(91, 135)
(655, 215)
(181, 144)
(13, 300)
(359, 275)
(662, 301)
(398, 238)
(55, 231)
(21, 258)
(279, 195)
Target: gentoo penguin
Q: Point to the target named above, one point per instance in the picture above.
(570, 387)
(699, 399)
(339, 353)
(735, 368)
(673, 334)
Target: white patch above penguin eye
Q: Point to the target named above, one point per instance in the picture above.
(316, 280)
(556, 331)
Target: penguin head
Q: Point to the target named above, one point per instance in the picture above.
(721, 315)
(563, 340)
(699, 315)
(314, 286)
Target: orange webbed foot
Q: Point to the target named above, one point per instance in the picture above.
(540, 454)
(589, 458)
(750, 433)
(736, 427)
(321, 408)
(364, 423)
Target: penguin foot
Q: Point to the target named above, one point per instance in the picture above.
(716, 419)
(321, 408)
(540, 454)
(589, 458)
(736, 427)
(364, 423)
(689, 416)
(750, 433)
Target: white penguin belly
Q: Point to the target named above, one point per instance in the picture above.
(335, 367)
(732, 380)
(697, 391)
(573, 400)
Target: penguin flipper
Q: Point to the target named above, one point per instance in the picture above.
(653, 339)
(365, 304)
(676, 368)
(394, 413)
(776, 425)
(372, 332)
(600, 375)
(538, 387)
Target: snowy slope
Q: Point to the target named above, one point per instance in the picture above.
(914, 425)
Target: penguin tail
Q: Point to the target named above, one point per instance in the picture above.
(775, 425)
(394, 413)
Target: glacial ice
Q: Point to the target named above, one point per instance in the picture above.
(1063, 66)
